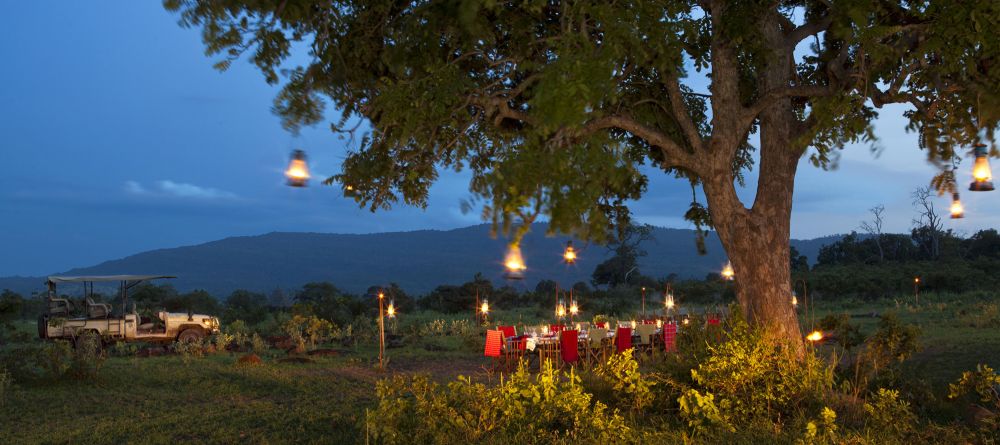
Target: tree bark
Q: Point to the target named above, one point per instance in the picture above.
(757, 239)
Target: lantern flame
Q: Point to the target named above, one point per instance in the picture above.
(514, 262)
(298, 171)
(573, 308)
(669, 302)
(795, 300)
(560, 310)
(814, 336)
(391, 310)
(485, 307)
(957, 210)
(982, 177)
(569, 255)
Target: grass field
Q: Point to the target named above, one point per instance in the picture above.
(172, 399)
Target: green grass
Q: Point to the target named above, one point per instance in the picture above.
(211, 400)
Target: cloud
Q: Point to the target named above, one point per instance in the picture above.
(170, 188)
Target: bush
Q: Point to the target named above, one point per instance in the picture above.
(749, 379)
(887, 415)
(6, 381)
(189, 350)
(543, 408)
(87, 357)
(621, 371)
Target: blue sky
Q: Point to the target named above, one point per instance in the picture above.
(119, 137)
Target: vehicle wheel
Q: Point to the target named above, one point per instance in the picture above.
(190, 335)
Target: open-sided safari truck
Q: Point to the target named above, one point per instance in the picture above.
(67, 319)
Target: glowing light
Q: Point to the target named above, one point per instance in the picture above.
(560, 309)
(957, 210)
(814, 336)
(381, 295)
(633, 324)
(578, 327)
(391, 310)
(687, 321)
(727, 272)
(916, 280)
(573, 308)
(569, 255)
(298, 171)
(659, 324)
(669, 301)
(514, 263)
(982, 177)
(795, 300)
(485, 307)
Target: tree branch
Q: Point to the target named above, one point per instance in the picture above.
(807, 29)
(675, 155)
(750, 113)
(680, 112)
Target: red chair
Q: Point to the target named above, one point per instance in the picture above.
(568, 343)
(649, 322)
(623, 339)
(601, 324)
(494, 347)
(670, 337)
(556, 328)
(508, 331)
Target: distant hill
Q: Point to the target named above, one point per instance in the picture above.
(418, 261)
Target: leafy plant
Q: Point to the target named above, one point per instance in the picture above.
(622, 372)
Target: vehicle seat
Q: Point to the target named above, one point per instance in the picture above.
(60, 306)
(97, 310)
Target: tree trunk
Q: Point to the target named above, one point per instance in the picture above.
(757, 239)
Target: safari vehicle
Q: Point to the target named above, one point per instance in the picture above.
(67, 319)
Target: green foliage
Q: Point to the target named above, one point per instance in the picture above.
(845, 334)
(189, 350)
(888, 416)
(542, 408)
(702, 414)
(983, 382)
(622, 372)
(312, 328)
(823, 430)
(751, 378)
(6, 381)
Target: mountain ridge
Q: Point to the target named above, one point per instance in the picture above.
(417, 260)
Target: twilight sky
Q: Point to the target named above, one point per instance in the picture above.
(119, 137)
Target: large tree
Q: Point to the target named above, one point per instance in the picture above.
(554, 105)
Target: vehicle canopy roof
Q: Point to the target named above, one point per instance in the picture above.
(104, 278)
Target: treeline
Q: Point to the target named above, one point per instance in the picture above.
(886, 265)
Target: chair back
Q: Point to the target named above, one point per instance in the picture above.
(597, 336)
(556, 328)
(568, 343)
(601, 324)
(584, 325)
(623, 339)
(494, 343)
(646, 332)
(508, 331)
(670, 337)
(649, 321)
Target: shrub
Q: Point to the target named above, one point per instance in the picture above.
(87, 357)
(6, 381)
(888, 415)
(985, 384)
(622, 372)
(749, 379)
(257, 344)
(189, 350)
(823, 430)
(542, 408)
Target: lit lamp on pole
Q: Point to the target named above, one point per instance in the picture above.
(381, 330)
(668, 301)
(484, 309)
(795, 300)
(727, 272)
(916, 290)
(643, 289)
(982, 177)
(297, 172)
(560, 310)
(574, 309)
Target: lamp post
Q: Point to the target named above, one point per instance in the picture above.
(916, 290)
(668, 302)
(644, 302)
(381, 332)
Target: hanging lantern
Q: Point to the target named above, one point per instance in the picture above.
(668, 301)
(957, 210)
(560, 309)
(298, 171)
(982, 177)
(514, 263)
(569, 255)
(391, 310)
(485, 307)
(573, 308)
(728, 273)
(795, 300)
